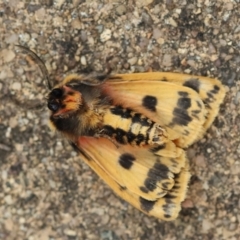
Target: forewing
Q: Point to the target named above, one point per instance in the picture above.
(185, 105)
(210, 90)
(176, 108)
(146, 178)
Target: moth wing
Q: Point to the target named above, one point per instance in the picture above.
(210, 90)
(176, 108)
(146, 178)
(183, 104)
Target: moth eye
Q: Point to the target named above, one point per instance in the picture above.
(53, 105)
(56, 93)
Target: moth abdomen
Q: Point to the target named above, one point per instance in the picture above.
(128, 127)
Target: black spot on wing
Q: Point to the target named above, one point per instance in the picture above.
(199, 104)
(126, 160)
(183, 94)
(196, 112)
(210, 95)
(180, 117)
(167, 207)
(169, 198)
(193, 84)
(144, 189)
(158, 148)
(186, 132)
(122, 188)
(165, 185)
(216, 89)
(156, 174)
(159, 170)
(150, 102)
(207, 103)
(176, 186)
(164, 79)
(173, 160)
(184, 103)
(150, 184)
(146, 205)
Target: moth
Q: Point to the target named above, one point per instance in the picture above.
(133, 129)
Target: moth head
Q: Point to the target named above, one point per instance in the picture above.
(76, 94)
(64, 101)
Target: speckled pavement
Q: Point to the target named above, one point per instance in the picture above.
(46, 191)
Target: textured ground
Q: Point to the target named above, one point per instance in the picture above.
(45, 191)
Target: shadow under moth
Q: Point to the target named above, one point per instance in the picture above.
(132, 129)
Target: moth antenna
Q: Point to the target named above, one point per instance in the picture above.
(94, 79)
(109, 68)
(40, 63)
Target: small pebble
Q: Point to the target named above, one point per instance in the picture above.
(106, 35)
(40, 14)
(83, 60)
(25, 37)
(7, 55)
(70, 232)
(200, 161)
(57, 21)
(59, 3)
(167, 60)
(206, 225)
(76, 23)
(8, 199)
(133, 60)
(121, 9)
(12, 38)
(16, 86)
